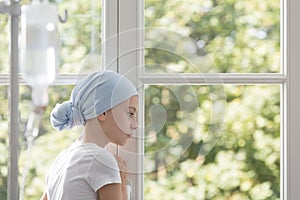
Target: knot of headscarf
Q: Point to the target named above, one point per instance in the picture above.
(66, 116)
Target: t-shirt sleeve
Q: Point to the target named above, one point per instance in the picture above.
(103, 170)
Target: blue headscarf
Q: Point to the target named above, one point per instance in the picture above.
(95, 94)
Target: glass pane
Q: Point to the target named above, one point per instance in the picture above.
(3, 141)
(212, 142)
(34, 164)
(4, 48)
(80, 36)
(201, 36)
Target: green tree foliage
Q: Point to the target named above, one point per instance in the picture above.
(243, 164)
(4, 44)
(3, 142)
(239, 36)
(81, 35)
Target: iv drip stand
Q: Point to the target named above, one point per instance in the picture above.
(14, 10)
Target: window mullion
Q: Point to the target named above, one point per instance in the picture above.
(293, 99)
(128, 65)
(62, 79)
(213, 78)
(110, 35)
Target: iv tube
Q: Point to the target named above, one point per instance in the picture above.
(31, 132)
(33, 124)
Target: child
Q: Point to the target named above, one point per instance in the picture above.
(106, 104)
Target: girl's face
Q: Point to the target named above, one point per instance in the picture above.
(121, 121)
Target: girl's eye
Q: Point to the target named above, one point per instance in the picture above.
(131, 114)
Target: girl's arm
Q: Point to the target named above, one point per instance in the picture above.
(113, 191)
(116, 191)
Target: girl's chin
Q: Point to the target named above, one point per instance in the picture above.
(122, 143)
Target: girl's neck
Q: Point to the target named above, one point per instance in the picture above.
(92, 133)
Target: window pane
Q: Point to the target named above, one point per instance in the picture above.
(33, 167)
(230, 36)
(3, 141)
(80, 36)
(212, 142)
(4, 49)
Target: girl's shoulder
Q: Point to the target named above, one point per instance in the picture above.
(96, 153)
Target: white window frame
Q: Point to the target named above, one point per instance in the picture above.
(292, 99)
(131, 15)
(127, 15)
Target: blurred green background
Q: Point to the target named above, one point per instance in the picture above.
(216, 141)
(242, 158)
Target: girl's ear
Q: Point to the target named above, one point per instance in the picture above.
(101, 117)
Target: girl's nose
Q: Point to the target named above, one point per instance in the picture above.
(134, 125)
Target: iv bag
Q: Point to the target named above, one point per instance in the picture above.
(39, 48)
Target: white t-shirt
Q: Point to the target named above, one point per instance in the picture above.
(79, 171)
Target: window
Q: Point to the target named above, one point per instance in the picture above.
(238, 108)
(216, 141)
